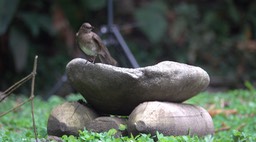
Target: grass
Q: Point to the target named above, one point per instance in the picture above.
(233, 116)
(233, 113)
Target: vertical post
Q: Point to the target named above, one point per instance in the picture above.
(110, 14)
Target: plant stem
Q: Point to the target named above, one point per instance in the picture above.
(32, 96)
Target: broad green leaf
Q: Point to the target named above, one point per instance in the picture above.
(190, 11)
(19, 47)
(31, 20)
(233, 11)
(7, 10)
(36, 22)
(152, 20)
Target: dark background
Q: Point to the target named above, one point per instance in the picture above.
(218, 36)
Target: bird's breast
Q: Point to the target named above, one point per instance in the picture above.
(88, 46)
(89, 49)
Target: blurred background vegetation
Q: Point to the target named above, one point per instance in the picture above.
(218, 36)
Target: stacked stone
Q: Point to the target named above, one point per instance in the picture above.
(151, 97)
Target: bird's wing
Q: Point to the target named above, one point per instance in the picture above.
(103, 52)
(88, 57)
(99, 42)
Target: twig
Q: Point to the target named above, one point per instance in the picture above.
(32, 96)
(222, 129)
(241, 126)
(7, 92)
(18, 106)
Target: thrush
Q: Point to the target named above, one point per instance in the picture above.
(91, 44)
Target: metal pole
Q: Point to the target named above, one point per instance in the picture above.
(110, 14)
(113, 29)
(125, 47)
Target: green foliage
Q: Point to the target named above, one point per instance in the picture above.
(106, 137)
(7, 11)
(243, 137)
(249, 86)
(212, 35)
(240, 100)
(37, 22)
(122, 127)
(218, 36)
(94, 4)
(18, 126)
(148, 15)
(28, 28)
(162, 138)
(19, 45)
(91, 136)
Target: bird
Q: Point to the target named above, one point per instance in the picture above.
(91, 44)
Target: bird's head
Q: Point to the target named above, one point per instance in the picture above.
(86, 27)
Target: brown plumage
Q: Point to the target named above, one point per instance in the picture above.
(91, 44)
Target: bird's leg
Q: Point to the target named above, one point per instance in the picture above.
(87, 61)
(94, 58)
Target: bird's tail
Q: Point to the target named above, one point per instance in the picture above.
(106, 58)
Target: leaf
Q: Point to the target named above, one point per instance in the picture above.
(249, 86)
(122, 127)
(37, 22)
(178, 28)
(31, 20)
(228, 112)
(19, 47)
(232, 11)
(7, 10)
(189, 11)
(152, 20)
(112, 132)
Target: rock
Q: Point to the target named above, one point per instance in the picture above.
(116, 90)
(104, 124)
(170, 119)
(68, 118)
